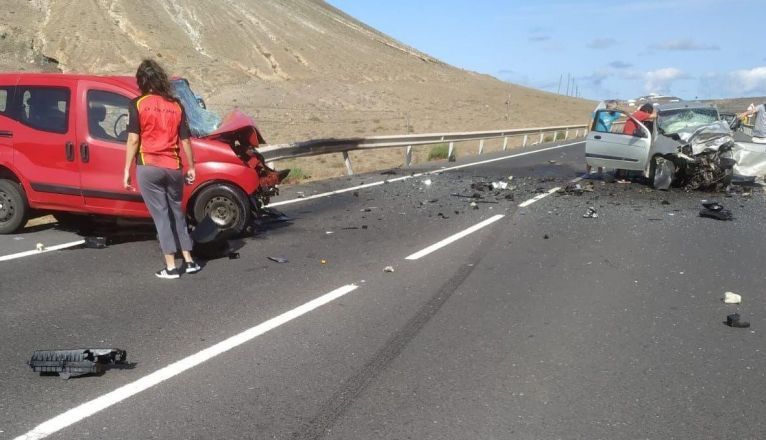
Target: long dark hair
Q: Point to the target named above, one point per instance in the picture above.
(151, 78)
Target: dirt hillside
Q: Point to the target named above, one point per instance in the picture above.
(303, 68)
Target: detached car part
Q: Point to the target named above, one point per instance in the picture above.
(78, 362)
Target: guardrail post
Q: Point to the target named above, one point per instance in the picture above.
(526, 138)
(566, 134)
(555, 135)
(347, 161)
(451, 150)
(541, 137)
(408, 156)
(481, 146)
(505, 143)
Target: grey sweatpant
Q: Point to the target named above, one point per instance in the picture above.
(162, 189)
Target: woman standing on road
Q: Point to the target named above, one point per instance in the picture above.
(156, 127)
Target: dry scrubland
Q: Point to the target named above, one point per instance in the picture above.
(302, 68)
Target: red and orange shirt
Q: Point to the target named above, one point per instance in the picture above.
(631, 128)
(161, 124)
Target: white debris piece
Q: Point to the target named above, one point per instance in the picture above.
(427, 182)
(732, 298)
(500, 185)
(388, 269)
(40, 247)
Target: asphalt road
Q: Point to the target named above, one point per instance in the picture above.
(542, 324)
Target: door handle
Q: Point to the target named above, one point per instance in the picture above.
(84, 152)
(6, 134)
(69, 147)
(596, 137)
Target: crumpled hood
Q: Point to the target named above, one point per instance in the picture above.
(239, 126)
(706, 138)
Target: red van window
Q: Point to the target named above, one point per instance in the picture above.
(108, 116)
(4, 98)
(44, 108)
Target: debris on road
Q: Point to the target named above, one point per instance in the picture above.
(591, 213)
(73, 363)
(427, 182)
(388, 269)
(280, 260)
(234, 256)
(474, 205)
(40, 247)
(733, 320)
(732, 298)
(95, 242)
(500, 185)
(715, 211)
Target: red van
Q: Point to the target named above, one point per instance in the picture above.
(62, 150)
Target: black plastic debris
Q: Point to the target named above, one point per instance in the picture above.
(234, 256)
(715, 211)
(78, 362)
(280, 260)
(591, 213)
(734, 320)
(209, 240)
(95, 242)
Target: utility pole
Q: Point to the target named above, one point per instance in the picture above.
(561, 77)
(508, 108)
(569, 77)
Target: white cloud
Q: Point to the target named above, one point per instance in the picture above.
(683, 45)
(602, 43)
(750, 80)
(737, 83)
(660, 80)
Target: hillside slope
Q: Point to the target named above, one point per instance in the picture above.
(302, 67)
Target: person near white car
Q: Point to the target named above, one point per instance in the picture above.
(759, 128)
(604, 124)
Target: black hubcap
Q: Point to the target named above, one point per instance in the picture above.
(7, 210)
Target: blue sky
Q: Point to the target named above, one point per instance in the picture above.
(619, 49)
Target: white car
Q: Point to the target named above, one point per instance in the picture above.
(662, 149)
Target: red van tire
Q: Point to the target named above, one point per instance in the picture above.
(227, 205)
(14, 208)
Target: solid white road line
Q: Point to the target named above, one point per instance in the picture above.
(439, 171)
(57, 247)
(436, 246)
(87, 409)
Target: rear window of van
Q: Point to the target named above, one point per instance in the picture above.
(3, 100)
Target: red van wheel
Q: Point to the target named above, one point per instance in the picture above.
(14, 208)
(226, 205)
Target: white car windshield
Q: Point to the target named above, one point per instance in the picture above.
(673, 121)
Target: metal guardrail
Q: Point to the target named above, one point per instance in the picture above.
(318, 147)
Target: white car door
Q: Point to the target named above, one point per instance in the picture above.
(608, 146)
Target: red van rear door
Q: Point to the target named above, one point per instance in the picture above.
(44, 143)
